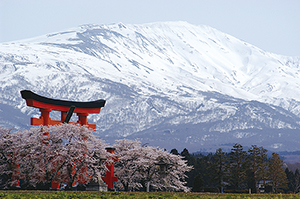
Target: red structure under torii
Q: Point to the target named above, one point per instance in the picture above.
(67, 108)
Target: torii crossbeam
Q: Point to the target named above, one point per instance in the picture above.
(46, 105)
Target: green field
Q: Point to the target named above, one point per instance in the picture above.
(134, 195)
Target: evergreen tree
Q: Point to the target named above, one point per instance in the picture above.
(185, 153)
(174, 151)
(276, 173)
(198, 183)
(296, 181)
(237, 167)
(191, 161)
(204, 162)
(291, 179)
(257, 163)
(217, 169)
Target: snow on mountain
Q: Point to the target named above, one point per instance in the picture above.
(171, 84)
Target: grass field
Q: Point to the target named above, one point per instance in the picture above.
(134, 195)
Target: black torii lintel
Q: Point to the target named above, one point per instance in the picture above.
(27, 94)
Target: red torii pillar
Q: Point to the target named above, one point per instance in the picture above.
(46, 105)
(110, 178)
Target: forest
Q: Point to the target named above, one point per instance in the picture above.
(240, 171)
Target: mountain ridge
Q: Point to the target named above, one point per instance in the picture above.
(160, 77)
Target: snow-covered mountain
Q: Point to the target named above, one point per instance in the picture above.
(170, 84)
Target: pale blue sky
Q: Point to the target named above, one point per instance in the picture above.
(272, 25)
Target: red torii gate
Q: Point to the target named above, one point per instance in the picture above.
(83, 109)
(46, 105)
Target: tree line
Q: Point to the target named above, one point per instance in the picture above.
(240, 171)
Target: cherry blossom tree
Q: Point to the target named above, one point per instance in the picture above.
(5, 160)
(9, 161)
(173, 177)
(64, 153)
(140, 166)
(128, 152)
